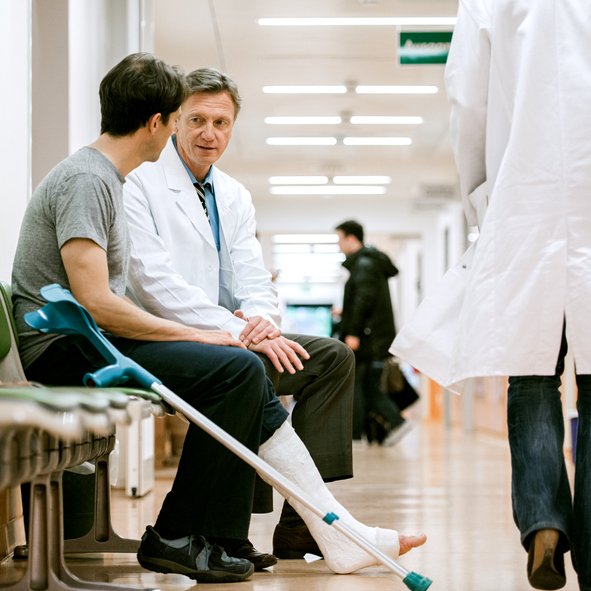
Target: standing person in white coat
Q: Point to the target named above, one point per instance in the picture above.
(195, 259)
(519, 80)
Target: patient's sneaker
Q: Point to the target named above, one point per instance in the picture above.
(192, 556)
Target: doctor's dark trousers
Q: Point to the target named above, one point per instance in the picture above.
(212, 492)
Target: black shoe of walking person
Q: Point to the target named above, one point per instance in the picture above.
(192, 556)
(545, 561)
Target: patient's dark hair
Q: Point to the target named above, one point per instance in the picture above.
(138, 87)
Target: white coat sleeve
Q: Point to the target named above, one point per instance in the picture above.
(467, 82)
(154, 283)
(254, 290)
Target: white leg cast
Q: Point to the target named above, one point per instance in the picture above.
(285, 452)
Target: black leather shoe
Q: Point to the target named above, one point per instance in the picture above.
(192, 556)
(245, 549)
(21, 552)
(545, 561)
(294, 542)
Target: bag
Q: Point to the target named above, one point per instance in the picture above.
(392, 378)
(395, 385)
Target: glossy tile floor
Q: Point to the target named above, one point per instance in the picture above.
(451, 485)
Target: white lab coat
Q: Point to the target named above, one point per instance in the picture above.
(175, 271)
(519, 81)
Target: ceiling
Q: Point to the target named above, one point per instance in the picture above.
(225, 34)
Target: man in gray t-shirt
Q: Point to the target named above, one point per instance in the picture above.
(74, 233)
(80, 198)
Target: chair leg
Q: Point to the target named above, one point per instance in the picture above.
(46, 568)
(102, 537)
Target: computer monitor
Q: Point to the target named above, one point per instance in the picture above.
(312, 319)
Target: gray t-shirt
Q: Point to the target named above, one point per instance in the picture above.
(81, 197)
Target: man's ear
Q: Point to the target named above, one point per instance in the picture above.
(153, 122)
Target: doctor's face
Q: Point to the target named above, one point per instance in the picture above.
(204, 130)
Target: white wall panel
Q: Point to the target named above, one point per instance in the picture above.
(15, 100)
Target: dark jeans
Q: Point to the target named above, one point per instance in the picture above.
(212, 491)
(369, 397)
(540, 489)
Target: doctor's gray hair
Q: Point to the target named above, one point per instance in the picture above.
(213, 81)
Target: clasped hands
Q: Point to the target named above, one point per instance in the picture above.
(262, 336)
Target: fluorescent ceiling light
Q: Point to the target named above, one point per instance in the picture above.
(298, 180)
(301, 141)
(327, 249)
(342, 89)
(306, 89)
(330, 190)
(294, 248)
(385, 120)
(303, 120)
(319, 278)
(354, 180)
(395, 89)
(401, 21)
(305, 238)
(323, 249)
(377, 141)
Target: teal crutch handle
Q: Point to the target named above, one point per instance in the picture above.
(119, 373)
(64, 315)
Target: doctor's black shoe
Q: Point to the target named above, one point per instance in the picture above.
(192, 556)
(245, 549)
(291, 543)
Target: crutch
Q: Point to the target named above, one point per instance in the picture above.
(64, 315)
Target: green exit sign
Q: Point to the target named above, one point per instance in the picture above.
(424, 47)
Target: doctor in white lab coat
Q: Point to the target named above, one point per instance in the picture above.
(519, 80)
(201, 264)
(177, 269)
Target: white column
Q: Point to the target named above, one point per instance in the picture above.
(15, 105)
(86, 32)
(49, 86)
(101, 33)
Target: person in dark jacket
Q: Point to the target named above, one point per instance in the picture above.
(367, 327)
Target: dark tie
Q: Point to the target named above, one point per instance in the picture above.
(201, 194)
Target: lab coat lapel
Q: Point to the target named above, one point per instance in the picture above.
(224, 199)
(183, 192)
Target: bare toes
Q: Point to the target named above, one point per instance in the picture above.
(409, 542)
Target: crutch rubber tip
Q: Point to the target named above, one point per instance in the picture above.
(416, 582)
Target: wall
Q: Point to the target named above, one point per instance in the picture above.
(55, 56)
(15, 92)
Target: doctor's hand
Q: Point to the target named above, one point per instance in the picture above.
(257, 329)
(216, 337)
(283, 353)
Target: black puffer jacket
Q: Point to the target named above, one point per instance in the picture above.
(367, 306)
